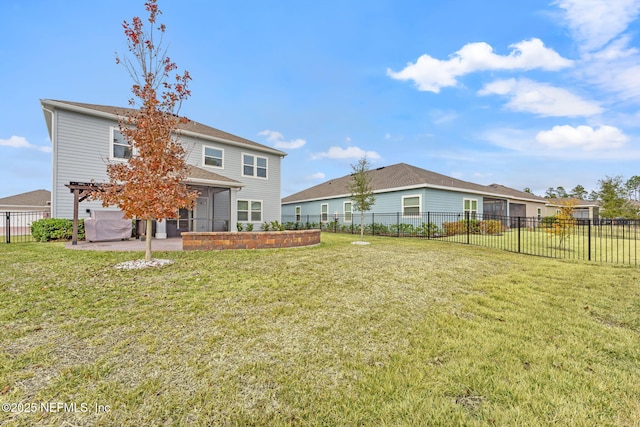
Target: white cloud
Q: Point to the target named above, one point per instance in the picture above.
(430, 74)
(347, 153)
(316, 176)
(594, 23)
(582, 137)
(277, 139)
(541, 99)
(21, 142)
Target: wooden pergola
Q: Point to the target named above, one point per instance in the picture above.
(81, 191)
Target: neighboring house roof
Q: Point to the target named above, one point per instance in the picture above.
(37, 199)
(555, 201)
(192, 127)
(403, 176)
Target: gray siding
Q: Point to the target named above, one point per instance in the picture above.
(81, 153)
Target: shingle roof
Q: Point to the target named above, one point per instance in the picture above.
(191, 126)
(194, 172)
(402, 175)
(554, 201)
(36, 198)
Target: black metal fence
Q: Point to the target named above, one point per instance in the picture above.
(604, 240)
(16, 226)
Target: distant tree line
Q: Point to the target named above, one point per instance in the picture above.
(619, 198)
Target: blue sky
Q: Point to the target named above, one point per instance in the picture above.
(522, 93)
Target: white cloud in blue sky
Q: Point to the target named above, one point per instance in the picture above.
(430, 74)
(21, 142)
(277, 139)
(525, 94)
(542, 99)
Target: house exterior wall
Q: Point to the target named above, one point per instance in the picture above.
(81, 150)
(432, 200)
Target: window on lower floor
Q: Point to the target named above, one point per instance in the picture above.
(348, 214)
(250, 210)
(410, 205)
(324, 212)
(298, 213)
(471, 206)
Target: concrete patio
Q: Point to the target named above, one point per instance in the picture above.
(131, 245)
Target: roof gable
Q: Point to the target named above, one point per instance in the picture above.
(191, 127)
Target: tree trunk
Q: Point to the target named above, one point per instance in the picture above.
(362, 226)
(149, 232)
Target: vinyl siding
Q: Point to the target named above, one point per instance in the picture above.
(82, 144)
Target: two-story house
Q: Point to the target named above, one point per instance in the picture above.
(238, 179)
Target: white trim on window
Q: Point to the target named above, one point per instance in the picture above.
(347, 214)
(249, 210)
(117, 141)
(254, 166)
(213, 156)
(471, 206)
(412, 206)
(324, 212)
(298, 211)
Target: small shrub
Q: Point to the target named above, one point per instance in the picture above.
(250, 226)
(276, 226)
(402, 228)
(428, 229)
(45, 230)
(239, 226)
(266, 226)
(491, 226)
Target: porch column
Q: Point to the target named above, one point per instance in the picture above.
(161, 229)
(233, 208)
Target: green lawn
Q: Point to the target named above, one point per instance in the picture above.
(400, 332)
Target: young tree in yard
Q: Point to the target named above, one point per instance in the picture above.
(151, 184)
(361, 191)
(563, 223)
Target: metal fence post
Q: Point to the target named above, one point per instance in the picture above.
(398, 222)
(8, 228)
(519, 224)
(589, 239)
(467, 216)
(373, 224)
(428, 225)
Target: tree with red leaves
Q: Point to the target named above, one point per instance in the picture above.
(151, 184)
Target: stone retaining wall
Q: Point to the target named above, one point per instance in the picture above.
(249, 239)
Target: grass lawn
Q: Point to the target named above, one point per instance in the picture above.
(399, 332)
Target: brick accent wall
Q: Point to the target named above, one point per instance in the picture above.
(249, 239)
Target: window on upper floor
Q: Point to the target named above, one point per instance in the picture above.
(255, 166)
(120, 148)
(212, 156)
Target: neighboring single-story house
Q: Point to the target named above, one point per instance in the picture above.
(31, 201)
(584, 209)
(410, 191)
(238, 179)
(24, 209)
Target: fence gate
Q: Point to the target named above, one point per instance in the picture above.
(16, 226)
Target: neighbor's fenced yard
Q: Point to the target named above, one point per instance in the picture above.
(398, 332)
(16, 226)
(604, 240)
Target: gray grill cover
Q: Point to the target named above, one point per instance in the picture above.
(107, 225)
